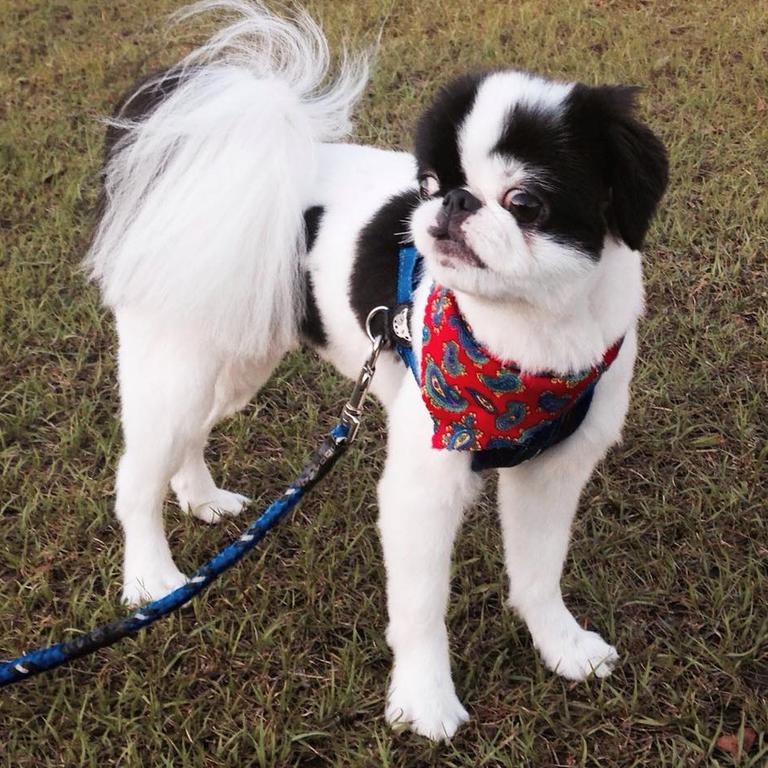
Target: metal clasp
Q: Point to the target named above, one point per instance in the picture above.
(353, 408)
(401, 324)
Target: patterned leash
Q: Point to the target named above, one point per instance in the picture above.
(318, 465)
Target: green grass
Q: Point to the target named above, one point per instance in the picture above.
(284, 663)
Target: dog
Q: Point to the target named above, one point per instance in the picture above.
(236, 226)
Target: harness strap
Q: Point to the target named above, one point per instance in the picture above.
(409, 270)
(406, 273)
(549, 436)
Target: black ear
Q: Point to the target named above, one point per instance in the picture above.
(636, 166)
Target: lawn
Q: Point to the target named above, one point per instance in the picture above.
(284, 662)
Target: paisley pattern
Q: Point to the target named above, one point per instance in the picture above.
(504, 382)
(451, 359)
(464, 436)
(440, 393)
(515, 413)
(467, 341)
(438, 306)
(479, 403)
(482, 400)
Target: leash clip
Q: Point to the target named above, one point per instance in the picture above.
(353, 408)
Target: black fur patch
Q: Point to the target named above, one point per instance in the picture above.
(572, 183)
(436, 141)
(633, 159)
(143, 98)
(374, 276)
(311, 324)
(136, 104)
(601, 169)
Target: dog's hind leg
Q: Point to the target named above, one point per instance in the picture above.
(195, 489)
(167, 389)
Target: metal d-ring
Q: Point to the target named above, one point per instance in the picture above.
(368, 332)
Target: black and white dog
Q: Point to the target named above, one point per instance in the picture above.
(234, 229)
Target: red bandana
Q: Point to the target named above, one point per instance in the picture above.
(479, 403)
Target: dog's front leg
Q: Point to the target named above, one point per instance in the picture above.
(422, 495)
(537, 502)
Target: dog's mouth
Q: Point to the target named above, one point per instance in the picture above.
(454, 251)
(450, 244)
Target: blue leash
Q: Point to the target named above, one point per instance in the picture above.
(319, 464)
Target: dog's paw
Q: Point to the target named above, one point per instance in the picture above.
(428, 708)
(151, 585)
(576, 653)
(220, 504)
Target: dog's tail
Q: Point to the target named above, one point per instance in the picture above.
(209, 168)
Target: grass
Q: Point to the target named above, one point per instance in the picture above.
(284, 663)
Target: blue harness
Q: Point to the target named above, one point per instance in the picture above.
(409, 274)
(409, 271)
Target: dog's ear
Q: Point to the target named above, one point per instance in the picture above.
(634, 159)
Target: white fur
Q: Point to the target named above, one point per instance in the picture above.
(205, 196)
(199, 255)
(483, 126)
(422, 496)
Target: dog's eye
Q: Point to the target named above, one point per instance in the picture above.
(525, 207)
(428, 186)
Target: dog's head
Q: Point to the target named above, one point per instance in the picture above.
(523, 179)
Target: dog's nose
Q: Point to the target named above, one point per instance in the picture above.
(460, 200)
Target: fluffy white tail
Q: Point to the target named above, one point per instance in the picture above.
(204, 193)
